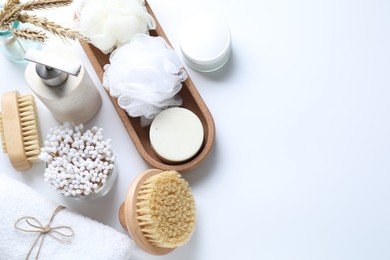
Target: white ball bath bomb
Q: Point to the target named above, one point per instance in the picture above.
(176, 135)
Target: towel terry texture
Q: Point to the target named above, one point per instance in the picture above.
(92, 240)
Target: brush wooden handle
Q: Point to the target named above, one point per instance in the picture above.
(13, 136)
(128, 215)
(121, 215)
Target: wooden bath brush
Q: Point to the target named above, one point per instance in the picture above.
(159, 211)
(20, 129)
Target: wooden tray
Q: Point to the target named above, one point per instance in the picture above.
(140, 135)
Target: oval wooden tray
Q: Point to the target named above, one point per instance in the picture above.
(140, 135)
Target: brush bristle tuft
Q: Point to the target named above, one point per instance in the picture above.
(166, 210)
(30, 126)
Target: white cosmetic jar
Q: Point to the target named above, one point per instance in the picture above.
(205, 42)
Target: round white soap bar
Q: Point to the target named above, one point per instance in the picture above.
(205, 43)
(176, 135)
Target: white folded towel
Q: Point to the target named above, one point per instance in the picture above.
(91, 240)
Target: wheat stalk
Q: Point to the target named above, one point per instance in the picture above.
(8, 17)
(50, 26)
(45, 4)
(13, 11)
(30, 34)
(9, 4)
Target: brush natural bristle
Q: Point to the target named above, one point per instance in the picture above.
(29, 126)
(166, 210)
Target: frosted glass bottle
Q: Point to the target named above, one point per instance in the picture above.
(15, 48)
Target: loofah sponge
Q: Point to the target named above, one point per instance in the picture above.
(166, 210)
(147, 83)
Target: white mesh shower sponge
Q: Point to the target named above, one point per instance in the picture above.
(145, 75)
(111, 23)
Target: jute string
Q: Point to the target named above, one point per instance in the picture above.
(64, 232)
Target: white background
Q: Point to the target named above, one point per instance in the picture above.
(300, 168)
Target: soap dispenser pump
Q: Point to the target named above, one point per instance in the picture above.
(63, 85)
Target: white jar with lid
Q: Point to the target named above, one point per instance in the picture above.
(205, 43)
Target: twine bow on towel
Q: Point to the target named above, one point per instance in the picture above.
(60, 233)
